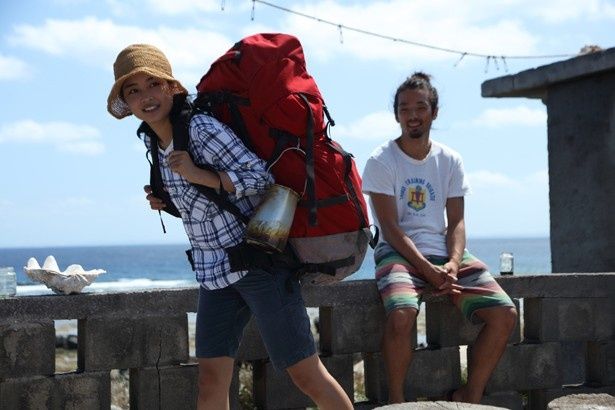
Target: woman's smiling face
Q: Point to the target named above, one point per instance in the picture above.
(149, 98)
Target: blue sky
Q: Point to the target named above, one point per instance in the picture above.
(73, 175)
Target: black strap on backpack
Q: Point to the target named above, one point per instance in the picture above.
(181, 113)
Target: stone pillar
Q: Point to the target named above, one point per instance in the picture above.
(580, 97)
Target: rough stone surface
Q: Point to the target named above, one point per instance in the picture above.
(90, 390)
(147, 302)
(509, 400)
(169, 388)
(539, 399)
(432, 373)
(275, 390)
(27, 349)
(350, 329)
(446, 326)
(526, 367)
(436, 405)
(601, 362)
(568, 319)
(113, 342)
(582, 174)
(583, 402)
(534, 82)
(361, 292)
(573, 363)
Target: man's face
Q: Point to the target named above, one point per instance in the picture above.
(414, 113)
(149, 98)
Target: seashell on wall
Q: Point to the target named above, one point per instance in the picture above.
(72, 280)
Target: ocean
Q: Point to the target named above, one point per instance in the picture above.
(136, 267)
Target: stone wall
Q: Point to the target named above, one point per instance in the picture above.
(564, 345)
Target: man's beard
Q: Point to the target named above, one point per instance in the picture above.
(415, 134)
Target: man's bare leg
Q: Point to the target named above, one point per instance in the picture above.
(396, 350)
(487, 350)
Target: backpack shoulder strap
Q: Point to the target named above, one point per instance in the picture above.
(181, 114)
(155, 177)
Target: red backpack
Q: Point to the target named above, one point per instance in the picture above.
(262, 90)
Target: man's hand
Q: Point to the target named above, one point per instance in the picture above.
(181, 163)
(154, 202)
(452, 267)
(442, 278)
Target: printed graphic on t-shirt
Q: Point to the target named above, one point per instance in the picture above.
(417, 193)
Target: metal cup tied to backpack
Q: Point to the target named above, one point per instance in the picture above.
(269, 227)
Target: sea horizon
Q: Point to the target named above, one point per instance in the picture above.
(143, 266)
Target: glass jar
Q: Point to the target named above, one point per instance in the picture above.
(8, 282)
(507, 263)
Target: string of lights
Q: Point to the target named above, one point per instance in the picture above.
(461, 53)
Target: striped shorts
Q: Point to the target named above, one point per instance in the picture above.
(401, 286)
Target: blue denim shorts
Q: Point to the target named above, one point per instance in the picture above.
(279, 311)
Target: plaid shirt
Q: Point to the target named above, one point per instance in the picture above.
(209, 228)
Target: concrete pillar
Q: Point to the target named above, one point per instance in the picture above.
(580, 97)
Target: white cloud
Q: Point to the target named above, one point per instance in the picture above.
(520, 115)
(99, 42)
(505, 206)
(66, 137)
(560, 11)
(375, 126)
(175, 7)
(489, 181)
(486, 180)
(464, 26)
(12, 68)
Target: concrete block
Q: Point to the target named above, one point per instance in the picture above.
(605, 319)
(352, 329)
(539, 399)
(568, 319)
(251, 347)
(113, 342)
(27, 349)
(432, 373)
(275, 390)
(446, 325)
(90, 390)
(525, 367)
(573, 362)
(601, 362)
(507, 399)
(174, 387)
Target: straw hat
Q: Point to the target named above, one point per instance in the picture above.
(137, 58)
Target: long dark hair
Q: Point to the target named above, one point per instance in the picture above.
(418, 80)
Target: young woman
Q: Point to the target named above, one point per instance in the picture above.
(144, 86)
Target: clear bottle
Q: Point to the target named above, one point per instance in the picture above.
(8, 282)
(507, 263)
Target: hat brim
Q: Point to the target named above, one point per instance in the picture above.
(117, 106)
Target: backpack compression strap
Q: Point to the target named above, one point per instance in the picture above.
(181, 114)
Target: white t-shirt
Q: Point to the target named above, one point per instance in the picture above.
(420, 188)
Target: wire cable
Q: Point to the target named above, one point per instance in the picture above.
(401, 40)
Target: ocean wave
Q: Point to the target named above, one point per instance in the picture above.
(124, 284)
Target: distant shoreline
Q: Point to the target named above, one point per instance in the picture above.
(187, 245)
